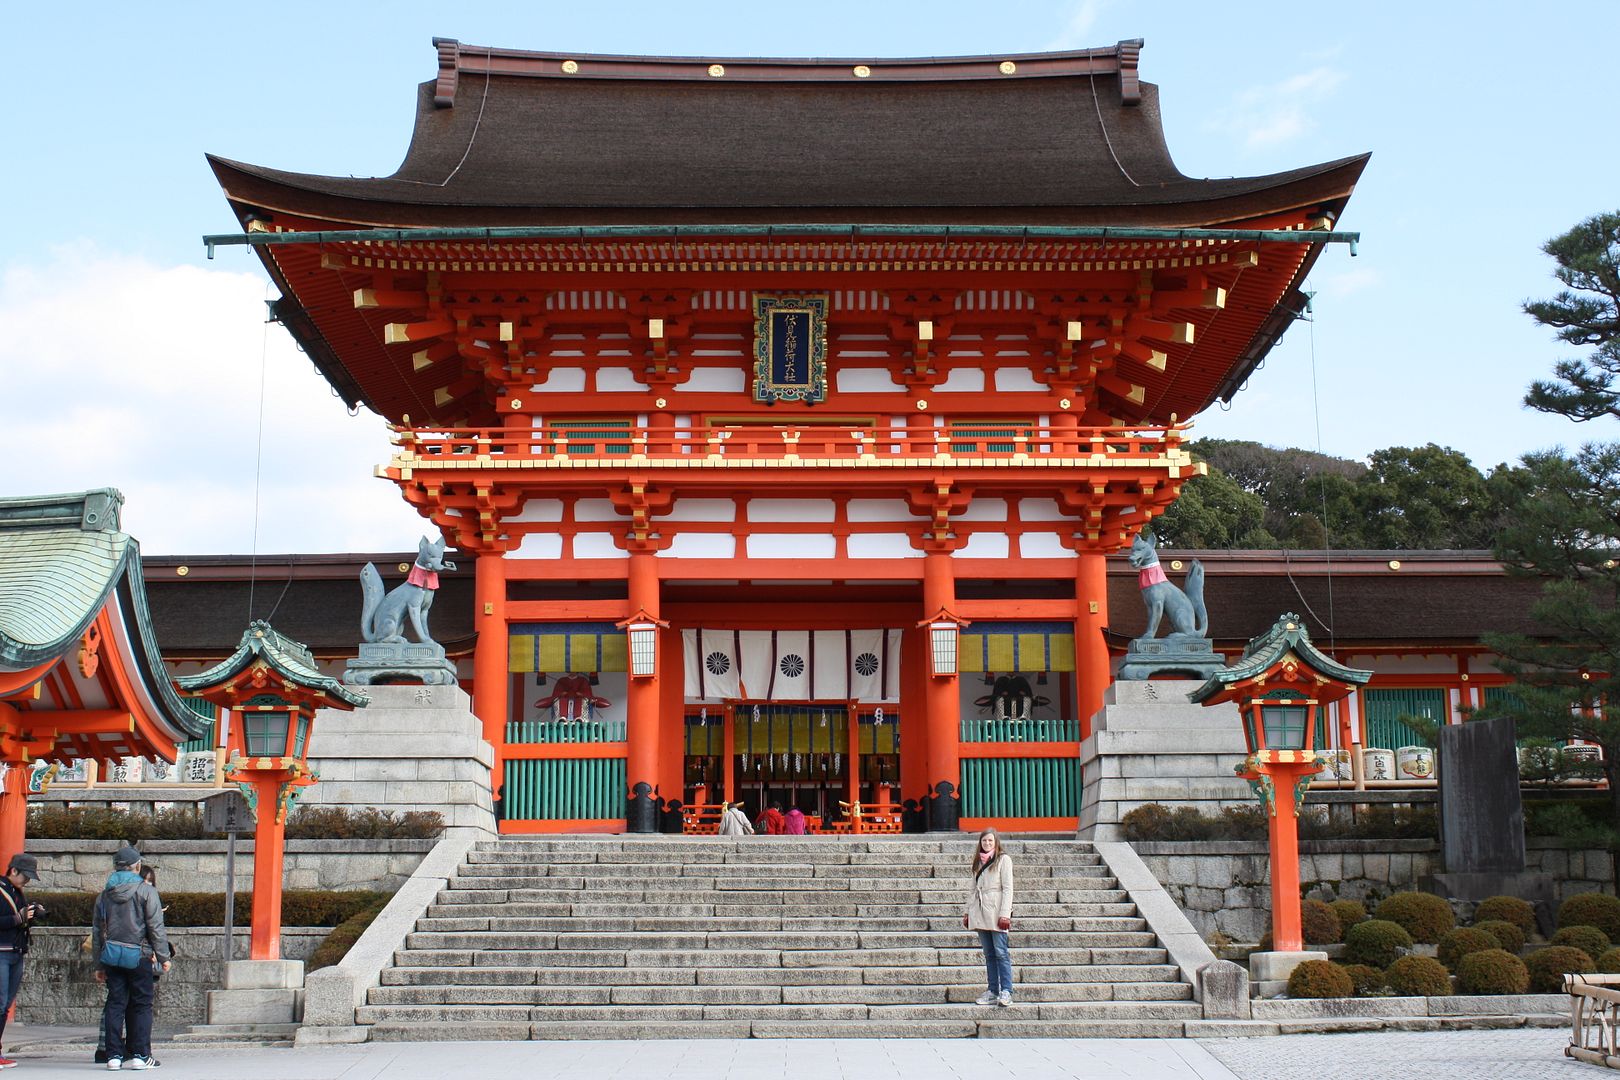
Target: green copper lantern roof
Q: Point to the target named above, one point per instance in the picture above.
(286, 657)
(1287, 635)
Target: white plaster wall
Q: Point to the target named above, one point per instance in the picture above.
(791, 510)
(562, 380)
(701, 546)
(617, 379)
(714, 380)
(792, 546)
(539, 510)
(985, 545)
(1014, 379)
(963, 380)
(881, 546)
(701, 510)
(865, 381)
(986, 509)
(1043, 545)
(540, 545)
(596, 510)
(880, 510)
(597, 546)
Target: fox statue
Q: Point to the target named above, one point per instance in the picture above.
(382, 617)
(1186, 609)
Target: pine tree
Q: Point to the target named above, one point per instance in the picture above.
(1565, 527)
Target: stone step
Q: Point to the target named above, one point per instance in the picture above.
(694, 856)
(959, 846)
(953, 912)
(1116, 982)
(735, 924)
(768, 958)
(753, 869)
(757, 1009)
(970, 1026)
(1102, 892)
(769, 939)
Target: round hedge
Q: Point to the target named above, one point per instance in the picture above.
(1458, 943)
(1507, 909)
(1507, 935)
(1320, 979)
(1589, 939)
(1425, 916)
(1368, 980)
(1349, 912)
(1592, 909)
(1377, 942)
(1418, 976)
(1492, 971)
(1548, 967)
(1318, 923)
(1609, 962)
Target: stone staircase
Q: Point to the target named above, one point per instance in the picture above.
(769, 937)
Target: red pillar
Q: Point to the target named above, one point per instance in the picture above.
(641, 708)
(491, 683)
(1286, 934)
(269, 846)
(1091, 664)
(13, 811)
(944, 757)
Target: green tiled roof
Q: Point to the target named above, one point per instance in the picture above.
(62, 560)
(284, 655)
(1287, 635)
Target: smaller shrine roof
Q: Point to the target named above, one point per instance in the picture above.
(286, 657)
(67, 573)
(1287, 636)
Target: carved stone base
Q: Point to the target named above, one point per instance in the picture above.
(384, 662)
(1186, 655)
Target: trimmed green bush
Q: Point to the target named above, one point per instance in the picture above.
(1592, 909)
(1320, 979)
(1507, 909)
(299, 907)
(1609, 962)
(1548, 967)
(1425, 916)
(1368, 980)
(336, 945)
(1318, 923)
(1510, 937)
(1589, 939)
(1458, 943)
(1349, 912)
(1376, 942)
(1492, 971)
(309, 823)
(1418, 976)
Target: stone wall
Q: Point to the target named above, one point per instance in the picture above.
(199, 865)
(1225, 885)
(59, 984)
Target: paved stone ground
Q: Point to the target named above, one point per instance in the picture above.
(1468, 1055)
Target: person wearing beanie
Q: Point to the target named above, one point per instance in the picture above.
(128, 941)
(16, 917)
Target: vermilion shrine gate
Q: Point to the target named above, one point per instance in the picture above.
(835, 381)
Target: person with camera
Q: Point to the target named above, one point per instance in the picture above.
(128, 940)
(16, 916)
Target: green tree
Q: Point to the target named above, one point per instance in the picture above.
(1214, 511)
(1565, 521)
(1425, 497)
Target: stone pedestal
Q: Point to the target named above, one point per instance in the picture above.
(412, 748)
(1269, 971)
(387, 662)
(1188, 656)
(258, 994)
(1149, 744)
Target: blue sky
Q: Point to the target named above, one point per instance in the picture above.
(139, 362)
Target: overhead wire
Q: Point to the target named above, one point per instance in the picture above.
(258, 452)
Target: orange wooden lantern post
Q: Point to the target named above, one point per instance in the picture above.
(1281, 687)
(273, 688)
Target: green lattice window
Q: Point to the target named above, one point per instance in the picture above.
(1385, 706)
(588, 437)
(564, 789)
(206, 740)
(1020, 787)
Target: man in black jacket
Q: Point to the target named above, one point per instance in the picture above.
(128, 940)
(16, 913)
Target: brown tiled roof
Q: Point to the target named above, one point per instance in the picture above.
(506, 137)
(1435, 598)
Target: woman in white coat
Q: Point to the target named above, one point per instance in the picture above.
(989, 911)
(733, 822)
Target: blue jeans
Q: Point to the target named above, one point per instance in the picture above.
(11, 969)
(129, 1010)
(997, 960)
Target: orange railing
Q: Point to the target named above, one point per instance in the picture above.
(431, 447)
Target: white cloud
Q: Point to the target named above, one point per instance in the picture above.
(117, 372)
(1076, 30)
(1264, 116)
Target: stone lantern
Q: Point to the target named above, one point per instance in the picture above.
(273, 689)
(1281, 686)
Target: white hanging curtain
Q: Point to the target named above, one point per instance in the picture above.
(792, 665)
(713, 668)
